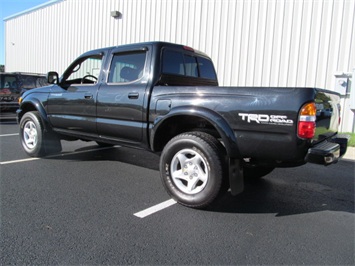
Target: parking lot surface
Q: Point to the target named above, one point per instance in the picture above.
(90, 205)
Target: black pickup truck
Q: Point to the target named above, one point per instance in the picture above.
(165, 98)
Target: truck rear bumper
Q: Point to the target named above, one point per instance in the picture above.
(328, 151)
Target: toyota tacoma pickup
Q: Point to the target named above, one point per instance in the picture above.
(165, 98)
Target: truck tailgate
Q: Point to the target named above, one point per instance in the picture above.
(328, 114)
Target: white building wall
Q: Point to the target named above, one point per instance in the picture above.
(252, 42)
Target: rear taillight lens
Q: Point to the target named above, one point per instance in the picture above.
(307, 121)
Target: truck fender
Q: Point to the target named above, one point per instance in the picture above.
(216, 120)
(32, 104)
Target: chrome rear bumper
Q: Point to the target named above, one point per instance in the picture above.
(328, 151)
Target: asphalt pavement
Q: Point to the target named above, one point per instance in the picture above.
(95, 206)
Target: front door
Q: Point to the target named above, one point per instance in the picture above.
(72, 103)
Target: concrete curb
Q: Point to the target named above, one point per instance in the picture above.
(350, 154)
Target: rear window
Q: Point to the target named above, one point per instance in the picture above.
(179, 63)
(173, 63)
(206, 68)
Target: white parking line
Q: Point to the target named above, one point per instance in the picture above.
(52, 156)
(20, 161)
(8, 135)
(155, 208)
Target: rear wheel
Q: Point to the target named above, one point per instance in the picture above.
(192, 169)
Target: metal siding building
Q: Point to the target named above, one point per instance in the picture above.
(252, 42)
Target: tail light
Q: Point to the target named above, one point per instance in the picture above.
(307, 121)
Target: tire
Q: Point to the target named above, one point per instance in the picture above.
(192, 169)
(31, 134)
(34, 139)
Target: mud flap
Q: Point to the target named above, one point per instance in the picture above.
(52, 143)
(236, 177)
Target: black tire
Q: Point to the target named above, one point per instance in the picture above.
(222, 152)
(34, 139)
(192, 169)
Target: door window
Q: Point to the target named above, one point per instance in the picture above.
(85, 71)
(127, 67)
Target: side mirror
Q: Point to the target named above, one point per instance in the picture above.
(52, 77)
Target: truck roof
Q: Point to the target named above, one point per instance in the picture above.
(157, 44)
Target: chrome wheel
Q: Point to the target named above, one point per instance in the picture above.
(30, 135)
(189, 171)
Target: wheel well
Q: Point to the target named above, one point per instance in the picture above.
(180, 124)
(26, 108)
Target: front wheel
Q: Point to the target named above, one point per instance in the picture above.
(192, 169)
(31, 134)
(34, 139)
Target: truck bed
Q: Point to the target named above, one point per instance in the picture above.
(263, 120)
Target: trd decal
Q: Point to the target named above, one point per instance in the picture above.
(267, 119)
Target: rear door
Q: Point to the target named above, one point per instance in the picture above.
(123, 96)
(72, 103)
